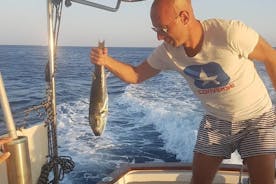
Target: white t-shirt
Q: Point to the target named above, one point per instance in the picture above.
(220, 75)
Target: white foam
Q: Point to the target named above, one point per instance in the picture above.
(178, 131)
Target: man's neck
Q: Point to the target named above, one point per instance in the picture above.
(193, 46)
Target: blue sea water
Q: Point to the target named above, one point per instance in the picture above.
(155, 121)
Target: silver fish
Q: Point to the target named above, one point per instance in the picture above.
(98, 107)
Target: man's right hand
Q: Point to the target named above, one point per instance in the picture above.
(98, 56)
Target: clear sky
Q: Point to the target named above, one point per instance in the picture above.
(23, 22)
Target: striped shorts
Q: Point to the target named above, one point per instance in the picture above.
(250, 137)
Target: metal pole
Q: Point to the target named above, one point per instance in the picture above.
(19, 164)
(6, 110)
(100, 6)
(51, 56)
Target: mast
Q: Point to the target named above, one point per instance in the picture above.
(52, 85)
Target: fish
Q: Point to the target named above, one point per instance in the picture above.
(98, 106)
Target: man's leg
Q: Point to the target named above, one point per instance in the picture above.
(261, 169)
(204, 168)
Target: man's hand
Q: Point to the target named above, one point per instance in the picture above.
(98, 56)
(5, 155)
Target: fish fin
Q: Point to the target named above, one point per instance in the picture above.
(107, 75)
(93, 76)
(104, 110)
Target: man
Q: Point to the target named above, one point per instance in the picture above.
(5, 155)
(215, 57)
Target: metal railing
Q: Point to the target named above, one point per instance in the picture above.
(97, 5)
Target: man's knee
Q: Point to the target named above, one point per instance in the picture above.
(204, 168)
(261, 168)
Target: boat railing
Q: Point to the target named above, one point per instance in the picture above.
(98, 5)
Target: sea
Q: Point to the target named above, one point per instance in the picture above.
(155, 121)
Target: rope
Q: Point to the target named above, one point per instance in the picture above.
(65, 164)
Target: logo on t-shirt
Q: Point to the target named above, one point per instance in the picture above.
(207, 76)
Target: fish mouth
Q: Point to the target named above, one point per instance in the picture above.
(97, 133)
(98, 127)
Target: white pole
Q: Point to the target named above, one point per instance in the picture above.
(6, 110)
(51, 57)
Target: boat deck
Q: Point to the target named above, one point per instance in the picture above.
(171, 173)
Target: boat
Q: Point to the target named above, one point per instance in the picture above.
(34, 156)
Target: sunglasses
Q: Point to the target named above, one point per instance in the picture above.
(164, 30)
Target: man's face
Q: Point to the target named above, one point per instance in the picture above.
(165, 23)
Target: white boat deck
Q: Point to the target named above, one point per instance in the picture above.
(170, 173)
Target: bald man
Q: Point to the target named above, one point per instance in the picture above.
(215, 56)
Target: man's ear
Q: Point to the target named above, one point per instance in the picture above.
(184, 16)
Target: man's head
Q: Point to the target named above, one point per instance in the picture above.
(170, 19)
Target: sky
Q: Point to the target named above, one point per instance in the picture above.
(23, 22)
